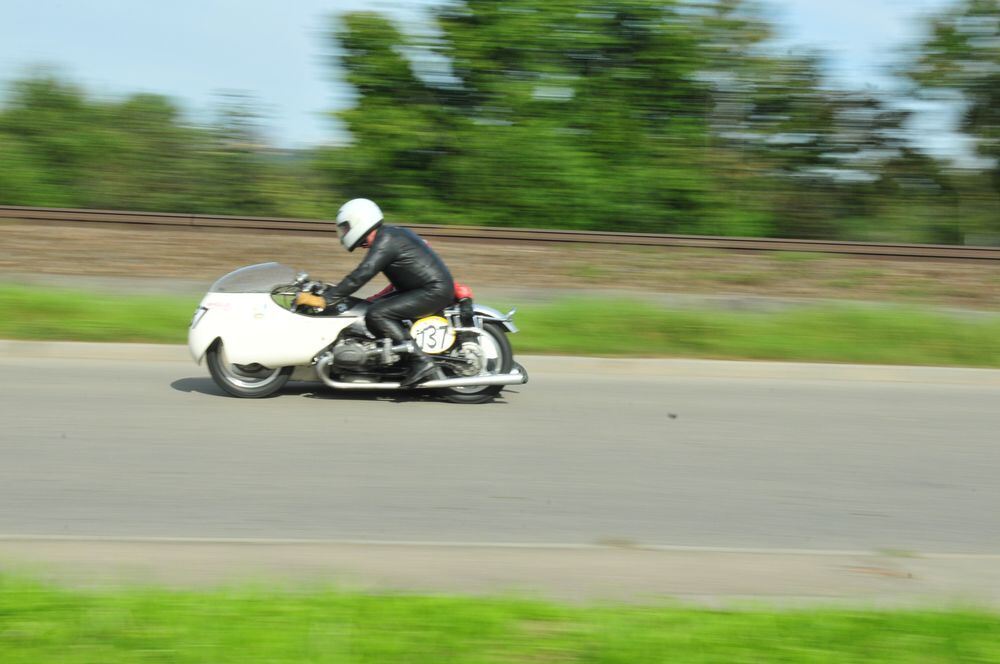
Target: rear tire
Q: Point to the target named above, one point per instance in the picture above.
(496, 336)
(248, 381)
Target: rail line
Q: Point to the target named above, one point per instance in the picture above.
(62, 216)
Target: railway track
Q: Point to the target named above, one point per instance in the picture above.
(61, 216)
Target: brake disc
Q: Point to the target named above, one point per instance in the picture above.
(475, 359)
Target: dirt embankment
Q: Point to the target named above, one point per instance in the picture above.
(200, 254)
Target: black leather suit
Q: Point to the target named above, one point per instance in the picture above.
(422, 281)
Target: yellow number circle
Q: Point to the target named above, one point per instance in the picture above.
(433, 334)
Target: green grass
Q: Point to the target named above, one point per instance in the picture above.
(58, 314)
(882, 335)
(52, 625)
(829, 334)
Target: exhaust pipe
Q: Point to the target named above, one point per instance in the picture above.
(516, 377)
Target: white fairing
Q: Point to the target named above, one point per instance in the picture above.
(254, 328)
(240, 311)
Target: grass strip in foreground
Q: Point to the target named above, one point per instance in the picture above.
(52, 625)
(848, 333)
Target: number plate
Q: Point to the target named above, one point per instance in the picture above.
(433, 334)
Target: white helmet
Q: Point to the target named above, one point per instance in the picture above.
(357, 218)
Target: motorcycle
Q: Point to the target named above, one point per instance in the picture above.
(255, 336)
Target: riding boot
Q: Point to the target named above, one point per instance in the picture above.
(421, 367)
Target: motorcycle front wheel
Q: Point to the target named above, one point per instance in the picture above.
(249, 381)
(499, 359)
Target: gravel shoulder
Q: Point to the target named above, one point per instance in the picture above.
(703, 577)
(567, 365)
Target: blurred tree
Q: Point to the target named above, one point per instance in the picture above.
(145, 156)
(805, 159)
(49, 130)
(585, 114)
(400, 132)
(962, 55)
(60, 147)
(642, 115)
(637, 115)
(231, 164)
(24, 179)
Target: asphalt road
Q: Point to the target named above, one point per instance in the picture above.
(718, 458)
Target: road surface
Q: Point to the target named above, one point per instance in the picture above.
(719, 458)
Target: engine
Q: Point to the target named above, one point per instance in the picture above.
(355, 354)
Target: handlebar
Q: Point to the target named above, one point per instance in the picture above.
(305, 284)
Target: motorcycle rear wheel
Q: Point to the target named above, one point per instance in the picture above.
(248, 381)
(496, 336)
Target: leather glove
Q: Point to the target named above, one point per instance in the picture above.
(310, 300)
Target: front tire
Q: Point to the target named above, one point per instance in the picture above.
(248, 381)
(500, 359)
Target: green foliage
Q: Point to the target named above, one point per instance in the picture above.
(962, 55)
(642, 115)
(549, 116)
(60, 147)
(24, 178)
(635, 115)
(246, 625)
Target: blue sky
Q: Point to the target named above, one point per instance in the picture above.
(275, 50)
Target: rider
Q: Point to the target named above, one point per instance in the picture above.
(421, 283)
